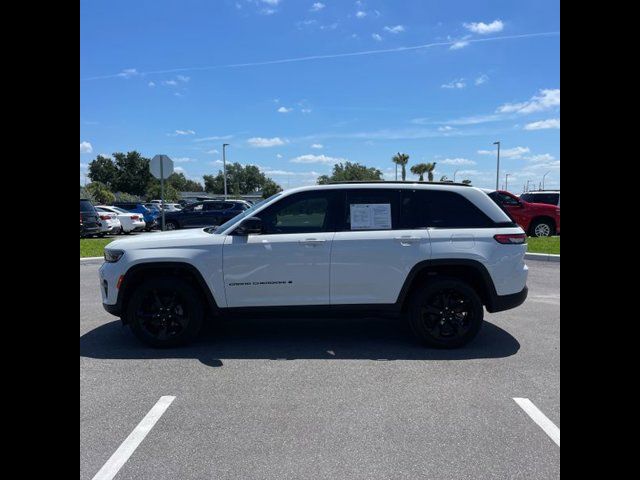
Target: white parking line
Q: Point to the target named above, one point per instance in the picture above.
(135, 438)
(540, 418)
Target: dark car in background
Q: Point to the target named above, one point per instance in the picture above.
(204, 214)
(150, 216)
(550, 197)
(89, 219)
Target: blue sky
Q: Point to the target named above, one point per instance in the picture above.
(271, 78)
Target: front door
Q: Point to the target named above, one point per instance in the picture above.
(288, 264)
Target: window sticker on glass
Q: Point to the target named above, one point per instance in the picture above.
(370, 216)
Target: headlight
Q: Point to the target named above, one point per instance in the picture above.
(112, 255)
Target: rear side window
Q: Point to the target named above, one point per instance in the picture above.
(87, 207)
(548, 198)
(440, 209)
(372, 209)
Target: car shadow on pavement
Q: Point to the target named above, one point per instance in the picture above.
(294, 339)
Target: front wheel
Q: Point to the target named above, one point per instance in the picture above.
(165, 312)
(445, 313)
(170, 225)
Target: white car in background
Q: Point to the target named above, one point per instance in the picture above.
(129, 222)
(109, 223)
(172, 207)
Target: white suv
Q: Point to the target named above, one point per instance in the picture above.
(435, 253)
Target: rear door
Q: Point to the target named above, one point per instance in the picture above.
(191, 216)
(374, 251)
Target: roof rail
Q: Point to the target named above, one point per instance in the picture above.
(406, 182)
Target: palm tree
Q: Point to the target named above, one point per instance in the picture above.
(430, 168)
(401, 159)
(420, 169)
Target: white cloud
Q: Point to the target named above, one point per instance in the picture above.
(309, 158)
(128, 73)
(183, 79)
(316, 7)
(278, 155)
(305, 110)
(213, 152)
(459, 44)
(515, 152)
(268, 11)
(459, 83)
(273, 3)
(260, 142)
(545, 100)
(543, 124)
(445, 128)
(544, 157)
(457, 161)
(484, 28)
(170, 83)
(376, 37)
(317, 146)
(85, 147)
(284, 110)
(396, 29)
(151, 84)
(178, 133)
(184, 160)
(481, 79)
(361, 14)
(218, 137)
(179, 170)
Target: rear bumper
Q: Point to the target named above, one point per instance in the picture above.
(505, 302)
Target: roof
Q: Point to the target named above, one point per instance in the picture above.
(403, 182)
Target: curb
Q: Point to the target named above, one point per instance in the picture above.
(542, 257)
(88, 259)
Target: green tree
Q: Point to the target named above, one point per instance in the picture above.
(154, 192)
(133, 173)
(241, 180)
(270, 188)
(100, 193)
(420, 169)
(401, 159)
(84, 193)
(466, 181)
(345, 172)
(430, 168)
(103, 170)
(126, 197)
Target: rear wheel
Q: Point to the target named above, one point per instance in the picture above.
(171, 225)
(542, 228)
(165, 312)
(445, 313)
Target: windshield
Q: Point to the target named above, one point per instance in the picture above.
(549, 198)
(119, 210)
(247, 213)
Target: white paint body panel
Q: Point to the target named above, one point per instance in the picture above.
(371, 266)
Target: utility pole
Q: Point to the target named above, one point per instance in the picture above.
(224, 166)
(506, 181)
(543, 178)
(498, 164)
(454, 176)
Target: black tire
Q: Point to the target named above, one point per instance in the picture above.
(171, 225)
(165, 312)
(433, 324)
(542, 228)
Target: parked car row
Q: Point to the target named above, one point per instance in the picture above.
(121, 217)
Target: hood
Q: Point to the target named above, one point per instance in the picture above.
(180, 239)
(543, 207)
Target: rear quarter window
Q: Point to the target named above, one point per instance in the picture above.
(440, 209)
(87, 207)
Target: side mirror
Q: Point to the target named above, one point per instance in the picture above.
(248, 226)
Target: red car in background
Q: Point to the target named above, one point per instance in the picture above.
(537, 219)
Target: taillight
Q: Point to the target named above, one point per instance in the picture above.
(80, 219)
(135, 217)
(105, 217)
(511, 238)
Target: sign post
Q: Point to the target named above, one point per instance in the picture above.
(160, 166)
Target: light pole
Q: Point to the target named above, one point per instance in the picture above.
(528, 184)
(543, 178)
(454, 176)
(498, 165)
(224, 166)
(396, 172)
(506, 181)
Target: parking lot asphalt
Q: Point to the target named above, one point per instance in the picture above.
(325, 398)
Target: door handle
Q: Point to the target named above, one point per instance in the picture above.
(312, 241)
(407, 240)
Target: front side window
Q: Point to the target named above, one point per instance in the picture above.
(508, 199)
(305, 212)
